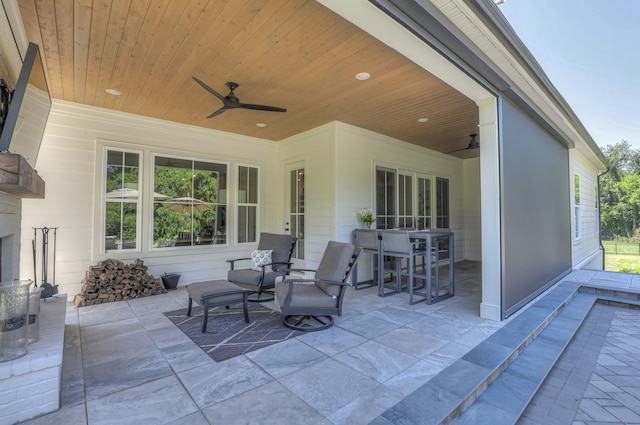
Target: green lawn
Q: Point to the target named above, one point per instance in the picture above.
(624, 257)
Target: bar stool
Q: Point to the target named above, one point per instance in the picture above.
(367, 241)
(398, 245)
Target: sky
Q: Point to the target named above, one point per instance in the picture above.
(590, 50)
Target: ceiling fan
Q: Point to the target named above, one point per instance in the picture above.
(473, 144)
(230, 101)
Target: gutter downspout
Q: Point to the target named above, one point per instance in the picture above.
(599, 221)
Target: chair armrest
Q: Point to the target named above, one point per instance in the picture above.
(302, 270)
(333, 282)
(233, 262)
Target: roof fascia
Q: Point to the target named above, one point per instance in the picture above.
(495, 21)
(428, 23)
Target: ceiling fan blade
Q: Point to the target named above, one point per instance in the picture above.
(210, 90)
(218, 112)
(473, 145)
(261, 107)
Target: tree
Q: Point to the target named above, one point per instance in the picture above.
(620, 191)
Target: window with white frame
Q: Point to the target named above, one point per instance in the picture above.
(405, 201)
(247, 196)
(412, 197)
(442, 203)
(189, 202)
(424, 203)
(385, 198)
(122, 204)
(576, 206)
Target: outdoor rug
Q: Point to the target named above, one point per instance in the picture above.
(227, 334)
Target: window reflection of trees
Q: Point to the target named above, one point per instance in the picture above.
(201, 221)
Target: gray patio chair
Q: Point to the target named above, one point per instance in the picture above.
(261, 280)
(310, 304)
(398, 245)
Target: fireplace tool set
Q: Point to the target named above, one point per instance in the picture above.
(49, 288)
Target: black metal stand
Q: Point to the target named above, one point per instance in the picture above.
(50, 288)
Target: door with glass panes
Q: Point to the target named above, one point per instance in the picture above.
(296, 211)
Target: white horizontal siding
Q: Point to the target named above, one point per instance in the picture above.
(67, 162)
(588, 244)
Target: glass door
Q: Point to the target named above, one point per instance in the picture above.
(296, 210)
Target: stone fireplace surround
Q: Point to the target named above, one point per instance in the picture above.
(30, 385)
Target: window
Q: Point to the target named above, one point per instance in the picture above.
(411, 197)
(296, 210)
(424, 203)
(385, 198)
(247, 203)
(122, 200)
(576, 206)
(442, 203)
(405, 201)
(189, 202)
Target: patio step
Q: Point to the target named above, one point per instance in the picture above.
(496, 380)
(446, 396)
(506, 398)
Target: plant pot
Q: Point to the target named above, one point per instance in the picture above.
(170, 280)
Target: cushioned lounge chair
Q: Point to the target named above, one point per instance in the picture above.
(310, 304)
(260, 277)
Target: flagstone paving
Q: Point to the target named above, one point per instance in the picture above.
(125, 363)
(597, 380)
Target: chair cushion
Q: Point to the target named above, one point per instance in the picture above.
(261, 258)
(304, 296)
(221, 290)
(279, 244)
(252, 277)
(333, 266)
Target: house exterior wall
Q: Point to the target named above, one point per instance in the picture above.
(358, 152)
(586, 251)
(70, 162)
(312, 150)
(339, 161)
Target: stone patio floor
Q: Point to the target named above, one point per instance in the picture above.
(126, 363)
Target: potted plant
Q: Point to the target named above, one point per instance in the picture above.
(367, 217)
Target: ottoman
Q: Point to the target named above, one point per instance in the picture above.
(215, 293)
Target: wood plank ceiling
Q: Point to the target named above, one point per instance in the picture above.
(294, 54)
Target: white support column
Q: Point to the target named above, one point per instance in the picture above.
(490, 308)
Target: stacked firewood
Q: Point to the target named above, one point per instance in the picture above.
(112, 280)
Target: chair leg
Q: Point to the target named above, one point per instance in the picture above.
(245, 306)
(410, 278)
(257, 296)
(205, 306)
(307, 323)
(189, 309)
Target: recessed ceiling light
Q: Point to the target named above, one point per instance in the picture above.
(261, 125)
(114, 92)
(363, 76)
(423, 119)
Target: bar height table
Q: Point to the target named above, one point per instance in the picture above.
(429, 235)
